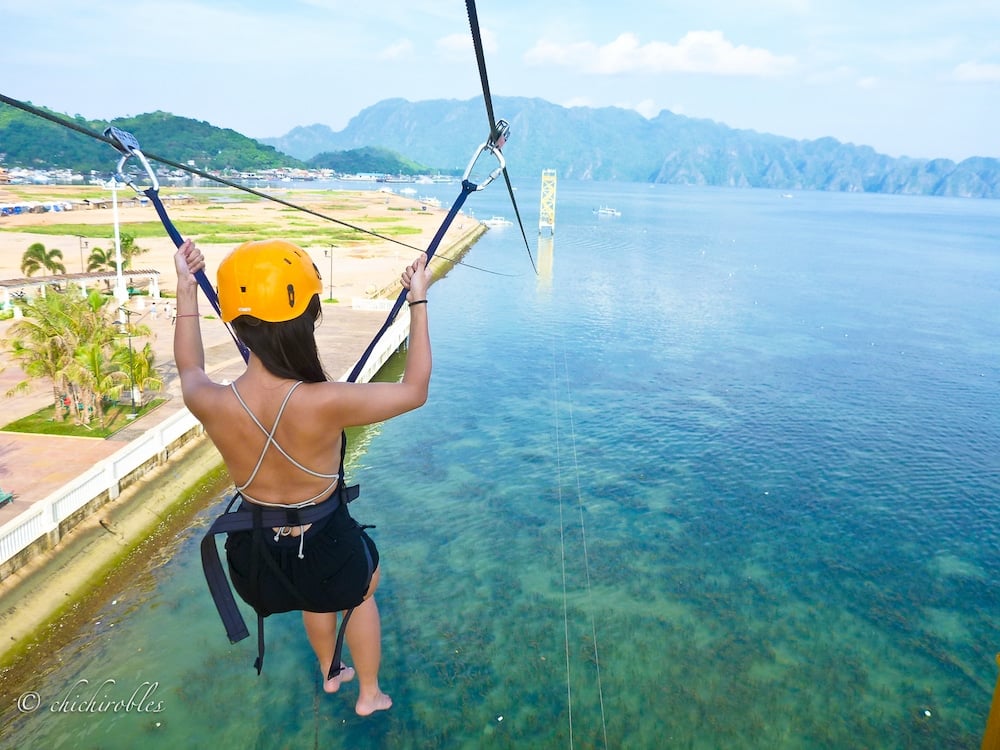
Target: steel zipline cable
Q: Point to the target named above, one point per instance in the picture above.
(495, 132)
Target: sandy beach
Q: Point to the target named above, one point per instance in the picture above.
(361, 265)
(41, 600)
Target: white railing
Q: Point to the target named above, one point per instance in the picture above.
(389, 343)
(44, 516)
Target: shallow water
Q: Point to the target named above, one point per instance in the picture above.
(726, 477)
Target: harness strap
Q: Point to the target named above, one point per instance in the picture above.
(206, 286)
(335, 666)
(243, 520)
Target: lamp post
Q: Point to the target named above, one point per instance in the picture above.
(121, 294)
(131, 357)
(329, 254)
(83, 246)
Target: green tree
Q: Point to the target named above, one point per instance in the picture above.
(129, 250)
(43, 343)
(100, 260)
(73, 341)
(104, 260)
(36, 258)
(139, 367)
(98, 378)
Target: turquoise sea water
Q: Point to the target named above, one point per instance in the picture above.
(726, 474)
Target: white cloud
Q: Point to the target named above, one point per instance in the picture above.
(397, 51)
(868, 83)
(977, 72)
(696, 52)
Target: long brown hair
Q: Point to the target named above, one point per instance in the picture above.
(286, 349)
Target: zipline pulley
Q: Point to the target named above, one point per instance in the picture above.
(492, 146)
(128, 146)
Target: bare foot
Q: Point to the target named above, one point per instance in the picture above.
(346, 675)
(379, 702)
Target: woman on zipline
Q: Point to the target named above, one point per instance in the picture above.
(279, 429)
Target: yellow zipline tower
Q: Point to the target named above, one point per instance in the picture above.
(547, 212)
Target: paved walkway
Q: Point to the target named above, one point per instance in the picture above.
(34, 466)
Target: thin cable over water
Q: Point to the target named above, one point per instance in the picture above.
(562, 542)
(586, 557)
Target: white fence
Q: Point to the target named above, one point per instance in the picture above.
(105, 479)
(388, 344)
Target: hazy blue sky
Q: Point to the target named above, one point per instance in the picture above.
(920, 78)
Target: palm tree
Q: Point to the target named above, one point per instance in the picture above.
(72, 341)
(138, 366)
(43, 343)
(104, 260)
(36, 257)
(92, 318)
(100, 260)
(99, 378)
(129, 249)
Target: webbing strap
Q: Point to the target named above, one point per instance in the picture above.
(467, 189)
(242, 520)
(202, 279)
(335, 665)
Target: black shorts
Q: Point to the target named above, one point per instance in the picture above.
(333, 574)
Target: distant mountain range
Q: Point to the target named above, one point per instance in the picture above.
(618, 144)
(581, 143)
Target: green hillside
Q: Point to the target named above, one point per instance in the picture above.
(27, 140)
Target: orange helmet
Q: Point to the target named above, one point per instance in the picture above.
(272, 280)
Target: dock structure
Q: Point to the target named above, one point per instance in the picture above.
(547, 212)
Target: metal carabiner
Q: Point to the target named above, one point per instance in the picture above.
(128, 145)
(492, 146)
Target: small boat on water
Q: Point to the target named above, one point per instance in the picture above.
(607, 211)
(497, 221)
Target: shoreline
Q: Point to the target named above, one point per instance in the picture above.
(45, 601)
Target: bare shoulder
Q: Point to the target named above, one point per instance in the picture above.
(355, 404)
(202, 395)
(326, 399)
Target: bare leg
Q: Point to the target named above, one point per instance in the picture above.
(321, 629)
(364, 639)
